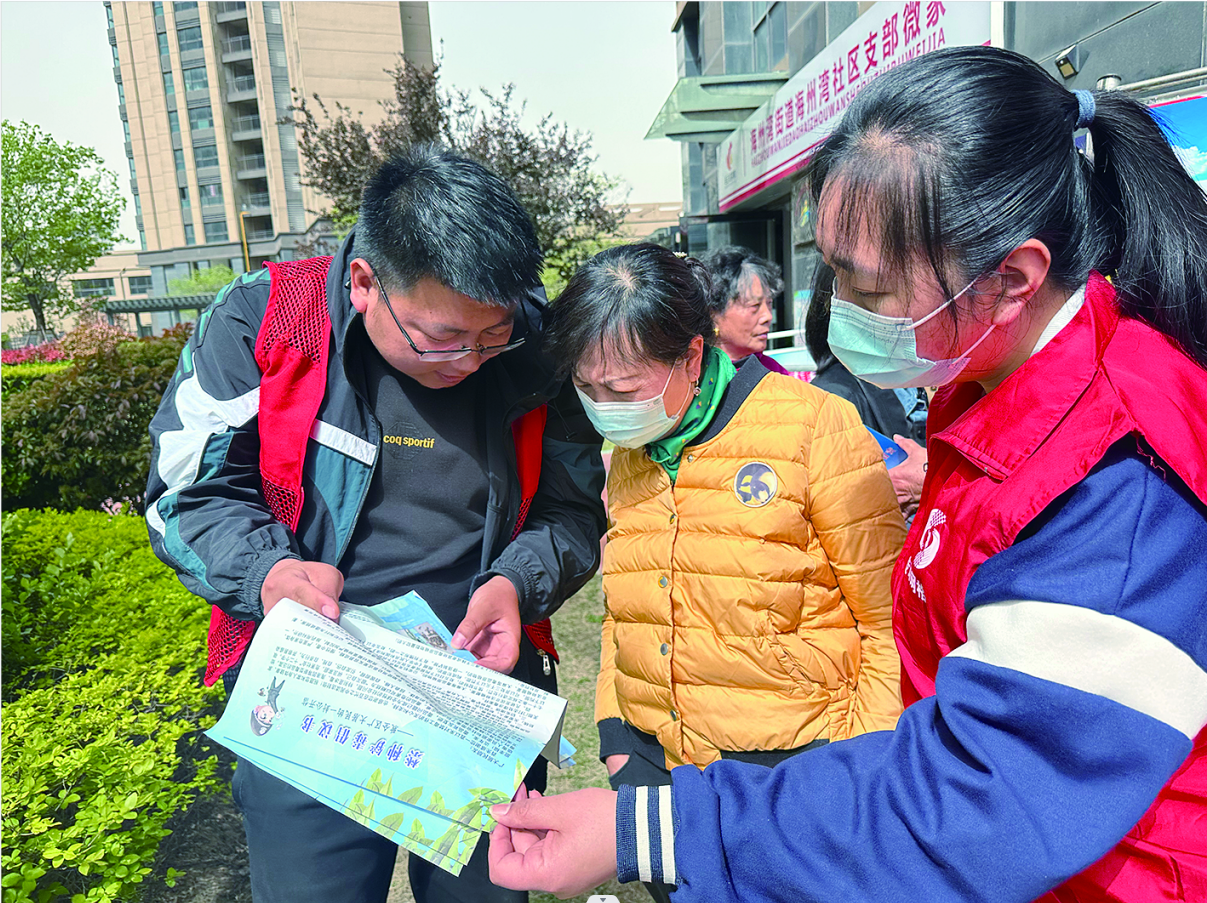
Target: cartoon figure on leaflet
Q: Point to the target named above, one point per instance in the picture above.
(263, 715)
(426, 634)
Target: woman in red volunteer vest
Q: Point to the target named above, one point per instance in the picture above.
(1050, 605)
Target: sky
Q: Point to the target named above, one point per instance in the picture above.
(601, 67)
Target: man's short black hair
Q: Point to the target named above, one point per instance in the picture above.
(430, 214)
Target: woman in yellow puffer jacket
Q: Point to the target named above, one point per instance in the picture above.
(753, 529)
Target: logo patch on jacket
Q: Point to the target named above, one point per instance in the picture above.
(928, 550)
(755, 484)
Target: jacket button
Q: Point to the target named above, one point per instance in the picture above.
(672, 518)
(674, 715)
(665, 649)
(691, 458)
(662, 581)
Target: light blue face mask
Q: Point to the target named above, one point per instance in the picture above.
(884, 351)
(632, 424)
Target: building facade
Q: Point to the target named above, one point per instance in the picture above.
(761, 83)
(203, 88)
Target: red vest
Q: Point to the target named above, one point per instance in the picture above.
(997, 461)
(291, 352)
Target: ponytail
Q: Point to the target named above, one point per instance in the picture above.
(1157, 217)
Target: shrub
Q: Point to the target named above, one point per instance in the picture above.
(15, 377)
(103, 705)
(93, 338)
(78, 437)
(47, 351)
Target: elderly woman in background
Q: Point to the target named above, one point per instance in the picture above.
(753, 531)
(744, 288)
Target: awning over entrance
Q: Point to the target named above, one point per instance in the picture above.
(708, 108)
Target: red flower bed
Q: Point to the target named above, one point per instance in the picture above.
(47, 351)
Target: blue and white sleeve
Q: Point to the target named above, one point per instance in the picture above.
(1076, 697)
(645, 835)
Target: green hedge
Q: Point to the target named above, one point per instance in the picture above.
(15, 377)
(102, 705)
(78, 438)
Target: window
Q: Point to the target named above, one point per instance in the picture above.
(163, 43)
(133, 174)
(173, 122)
(93, 288)
(215, 232)
(126, 129)
(117, 60)
(140, 285)
(189, 38)
(184, 198)
(169, 84)
(157, 8)
(121, 93)
(200, 118)
(179, 155)
(137, 203)
(181, 7)
(194, 79)
(109, 15)
(189, 237)
(142, 239)
(206, 155)
(211, 195)
(771, 38)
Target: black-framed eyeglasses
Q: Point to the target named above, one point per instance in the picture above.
(443, 354)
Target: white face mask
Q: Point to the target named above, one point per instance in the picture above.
(884, 351)
(631, 424)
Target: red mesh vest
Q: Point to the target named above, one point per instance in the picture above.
(991, 471)
(291, 352)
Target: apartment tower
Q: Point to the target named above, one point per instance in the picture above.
(202, 89)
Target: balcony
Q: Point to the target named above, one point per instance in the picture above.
(251, 166)
(230, 12)
(240, 88)
(245, 128)
(255, 202)
(236, 48)
(260, 234)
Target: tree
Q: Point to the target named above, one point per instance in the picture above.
(550, 167)
(60, 212)
(202, 282)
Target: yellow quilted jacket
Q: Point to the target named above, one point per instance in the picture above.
(748, 603)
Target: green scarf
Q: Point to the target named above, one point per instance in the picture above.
(715, 373)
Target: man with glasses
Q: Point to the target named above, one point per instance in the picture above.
(429, 328)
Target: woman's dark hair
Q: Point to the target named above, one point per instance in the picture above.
(817, 317)
(641, 302)
(731, 269)
(967, 152)
(430, 214)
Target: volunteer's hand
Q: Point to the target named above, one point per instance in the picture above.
(907, 476)
(310, 583)
(615, 762)
(491, 628)
(564, 844)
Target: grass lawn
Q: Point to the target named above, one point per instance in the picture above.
(576, 632)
